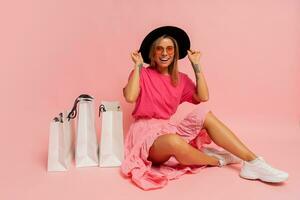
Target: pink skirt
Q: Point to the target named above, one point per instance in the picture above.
(140, 138)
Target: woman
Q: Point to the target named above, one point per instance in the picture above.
(157, 149)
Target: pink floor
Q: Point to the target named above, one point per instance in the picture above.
(24, 176)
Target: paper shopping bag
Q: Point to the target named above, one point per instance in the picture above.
(60, 143)
(69, 133)
(111, 148)
(86, 145)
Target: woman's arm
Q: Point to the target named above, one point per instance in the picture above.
(132, 89)
(202, 90)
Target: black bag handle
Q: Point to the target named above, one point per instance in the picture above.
(101, 109)
(55, 119)
(59, 118)
(73, 112)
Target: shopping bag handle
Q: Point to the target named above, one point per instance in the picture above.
(73, 112)
(101, 109)
(55, 119)
(61, 117)
(58, 119)
(85, 96)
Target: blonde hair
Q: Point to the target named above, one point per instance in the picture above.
(173, 67)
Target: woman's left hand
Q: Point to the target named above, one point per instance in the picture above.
(194, 56)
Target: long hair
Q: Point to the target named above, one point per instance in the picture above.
(173, 67)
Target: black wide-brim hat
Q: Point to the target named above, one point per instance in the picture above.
(178, 34)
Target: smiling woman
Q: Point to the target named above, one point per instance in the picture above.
(164, 55)
(153, 139)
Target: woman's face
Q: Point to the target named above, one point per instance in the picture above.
(164, 53)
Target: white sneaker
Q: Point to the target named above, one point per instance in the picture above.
(224, 157)
(260, 169)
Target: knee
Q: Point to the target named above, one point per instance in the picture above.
(209, 113)
(208, 118)
(175, 143)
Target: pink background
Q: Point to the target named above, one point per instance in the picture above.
(52, 51)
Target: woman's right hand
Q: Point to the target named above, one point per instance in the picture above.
(137, 58)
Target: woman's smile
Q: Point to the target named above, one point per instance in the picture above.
(164, 53)
(164, 59)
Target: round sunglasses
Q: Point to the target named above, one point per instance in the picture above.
(160, 50)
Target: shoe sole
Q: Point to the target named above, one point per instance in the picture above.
(254, 177)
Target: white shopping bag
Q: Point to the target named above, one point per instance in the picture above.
(111, 146)
(69, 133)
(60, 152)
(86, 145)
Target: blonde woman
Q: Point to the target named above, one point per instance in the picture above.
(158, 150)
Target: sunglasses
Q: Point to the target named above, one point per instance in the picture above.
(160, 50)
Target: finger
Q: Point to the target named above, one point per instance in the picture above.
(134, 56)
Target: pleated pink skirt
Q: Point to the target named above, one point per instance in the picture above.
(140, 138)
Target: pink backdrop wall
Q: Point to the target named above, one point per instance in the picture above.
(52, 51)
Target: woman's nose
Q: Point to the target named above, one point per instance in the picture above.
(164, 52)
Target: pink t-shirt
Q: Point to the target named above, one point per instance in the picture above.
(158, 98)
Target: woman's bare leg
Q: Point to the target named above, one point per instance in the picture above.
(169, 145)
(225, 138)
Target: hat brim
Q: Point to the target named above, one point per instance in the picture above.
(178, 34)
